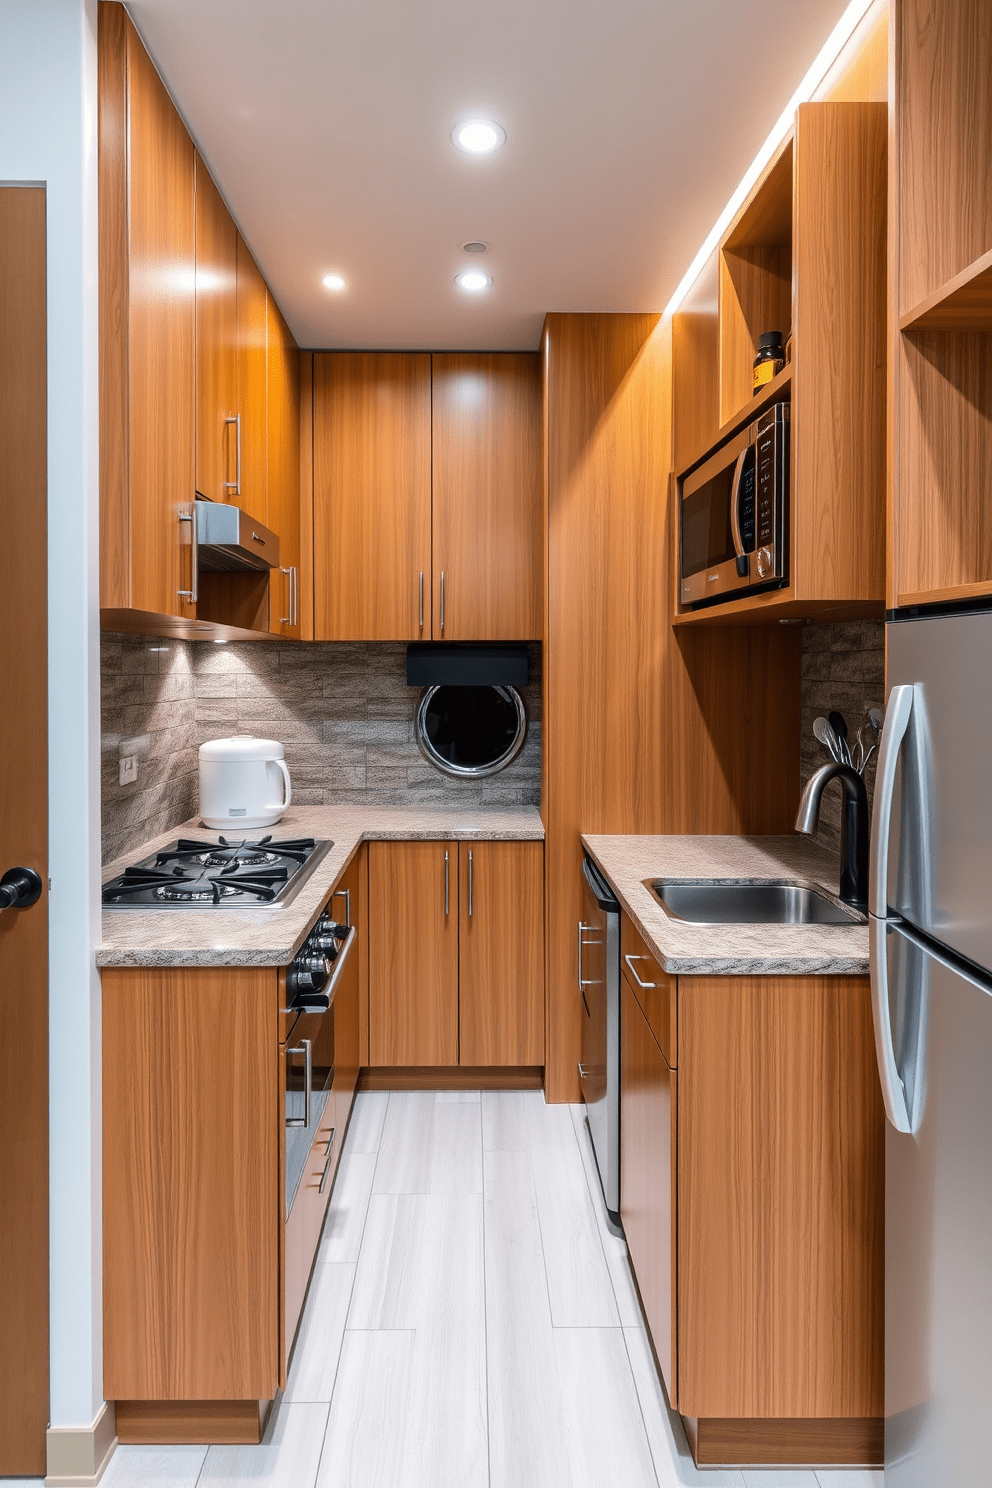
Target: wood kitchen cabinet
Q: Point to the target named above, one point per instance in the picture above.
(501, 953)
(283, 472)
(486, 464)
(146, 207)
(217, 431)
(456, 958)
(372, 496)
(250, 457)
(427, 496)
(413, 953)
(751, 1194)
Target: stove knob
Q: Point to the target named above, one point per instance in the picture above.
(307, 974)
(328, 936)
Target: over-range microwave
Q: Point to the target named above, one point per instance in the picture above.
(734, 515)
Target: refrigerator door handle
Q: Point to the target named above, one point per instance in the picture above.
(897, 714)
(893, 1090)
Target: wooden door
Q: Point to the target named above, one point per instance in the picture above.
(372, 496)
(501, 953)
(146, 331)
(216, 342)
(648, 1175)
(283, 471)
(487, 483)
(23, 837)
(413, 953)
(252, 387)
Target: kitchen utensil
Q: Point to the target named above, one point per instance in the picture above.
(825, 734)
(244, 782)
(838, 723)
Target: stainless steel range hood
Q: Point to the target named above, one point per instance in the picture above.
(229, 540)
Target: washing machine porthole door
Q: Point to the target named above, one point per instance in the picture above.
(471, 731)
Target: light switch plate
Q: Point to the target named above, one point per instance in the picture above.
(129, 769)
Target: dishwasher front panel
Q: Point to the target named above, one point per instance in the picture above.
(598, 968)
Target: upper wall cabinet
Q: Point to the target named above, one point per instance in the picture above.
(283, 470)
(805, 256)
(372, 496)
(146, 333)
(217, 432)
(940, 537)
(486, 459)
(427, 527)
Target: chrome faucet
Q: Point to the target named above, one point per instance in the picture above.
(854, 828)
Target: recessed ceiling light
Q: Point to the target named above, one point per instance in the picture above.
(478, 136)
(333, 281)
(473, 281)
(474, 247)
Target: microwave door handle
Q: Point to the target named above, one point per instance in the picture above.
(735, 516)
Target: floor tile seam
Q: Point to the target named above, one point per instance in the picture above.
(640, 1405)
(351, 1293)
(330, 1406)
(599, 1236)
(485, 1292)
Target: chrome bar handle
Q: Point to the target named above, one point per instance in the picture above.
(897, 715)
(287, 619)
(442, 601)
(893, 1090)
(235, 485)
(294, 608)
(327, 1162)
(421, 599)
(581, 982)
(471, 876)
(192, 593)
(630, 962)
(304, 1048)
(447, 882)
(583, 1070)
(344, 894)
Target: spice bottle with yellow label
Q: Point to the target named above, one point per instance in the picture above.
(769, 361)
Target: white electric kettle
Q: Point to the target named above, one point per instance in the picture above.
(243, 782)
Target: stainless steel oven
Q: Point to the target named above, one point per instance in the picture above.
(734, 515)
(599, 989)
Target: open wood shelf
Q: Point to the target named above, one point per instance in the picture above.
(964, 303)
(780, 606)
(173, 627)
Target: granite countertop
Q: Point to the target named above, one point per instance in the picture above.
(260, 937)
(731, 950)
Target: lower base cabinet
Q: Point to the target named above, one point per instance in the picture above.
(752, 1198)
(456, 954)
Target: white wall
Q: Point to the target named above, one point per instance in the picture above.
(48, 135)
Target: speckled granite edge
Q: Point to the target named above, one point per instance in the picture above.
(730, 950)
(272, 937)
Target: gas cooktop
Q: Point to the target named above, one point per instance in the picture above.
(217, 874)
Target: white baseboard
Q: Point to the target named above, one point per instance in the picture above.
(78, 1455)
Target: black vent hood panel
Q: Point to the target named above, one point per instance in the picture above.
(229, 540)
(464, 664)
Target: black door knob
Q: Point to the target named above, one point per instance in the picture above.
(19, 888)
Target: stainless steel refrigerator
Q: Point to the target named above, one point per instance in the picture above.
(930, 898)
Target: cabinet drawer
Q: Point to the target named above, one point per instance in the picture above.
(654, 989)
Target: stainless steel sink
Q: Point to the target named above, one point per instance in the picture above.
(749, 901)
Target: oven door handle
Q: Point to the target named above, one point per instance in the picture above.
(306, 1049)
(735, 515)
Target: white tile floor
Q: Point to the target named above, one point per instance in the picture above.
(471, 1322)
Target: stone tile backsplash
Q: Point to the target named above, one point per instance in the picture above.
(343, 711)
(843, 667)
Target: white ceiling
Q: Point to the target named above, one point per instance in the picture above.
(327, 127)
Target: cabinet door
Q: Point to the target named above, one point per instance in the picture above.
(216, 342)
(648, 1175)
(146, 332)
(283, 470)
(501, 953)
(487, 497)
(250, 472)
(372, 496)
(348, 907)
(413, 953)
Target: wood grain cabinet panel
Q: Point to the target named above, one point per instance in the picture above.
(413, 953)
(648, 1177)
(192, 1207)
(252, 387)
(372, 496)
(283, 493)
(146, 198)
(486, 462)
(501, 953)
(216, 342)
(781, 1194)
(348, 906)
(655, 990)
